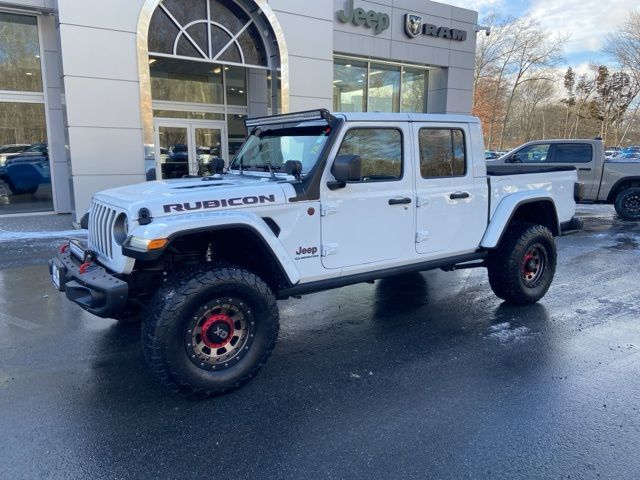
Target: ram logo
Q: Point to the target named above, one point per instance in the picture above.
(413, 25)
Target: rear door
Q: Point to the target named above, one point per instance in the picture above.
(451, 207)
(581, 156)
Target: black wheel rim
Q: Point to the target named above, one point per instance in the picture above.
(631, 203)
(533, 265)
(220, 333)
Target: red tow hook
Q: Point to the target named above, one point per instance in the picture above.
(64, 247)
(84, 267)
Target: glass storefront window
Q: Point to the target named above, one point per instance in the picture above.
(188, 115)
(237, 133)
(20, 68)
(349, 86)
(25, 174)
(414, 90)
(384, 88)
(178, 80)
(363, 86)
(270, 98)
(236, 84)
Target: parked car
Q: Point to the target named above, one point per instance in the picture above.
(603, 181)
(347, 200)
(25, 177)
(150, 160)
(177, 162)
(9, 150)
(36, 152)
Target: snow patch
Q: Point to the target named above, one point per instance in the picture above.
(504, 333)
(13, 236)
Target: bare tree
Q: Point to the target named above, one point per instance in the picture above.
(535, 50)
(624, 46)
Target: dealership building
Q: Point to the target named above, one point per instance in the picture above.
(95, 95)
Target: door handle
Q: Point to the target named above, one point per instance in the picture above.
(399, 201)
(459, 195)
(584, 169)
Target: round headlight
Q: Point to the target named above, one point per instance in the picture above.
(121, 229)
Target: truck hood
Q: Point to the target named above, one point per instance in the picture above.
(191, 195)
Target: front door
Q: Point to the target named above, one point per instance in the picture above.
(187, 148)
(371, 220)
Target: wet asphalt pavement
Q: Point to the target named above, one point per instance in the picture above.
(426, 376)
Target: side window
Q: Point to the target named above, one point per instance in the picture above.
(572, 153)
(442, 152)
(532, 154)
(380, 150)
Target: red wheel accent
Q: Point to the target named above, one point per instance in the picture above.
(217, 331)
(532, 266)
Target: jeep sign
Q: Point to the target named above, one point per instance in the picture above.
(377, 20)
(414, 25)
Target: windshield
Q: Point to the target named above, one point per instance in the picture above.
(276, 147)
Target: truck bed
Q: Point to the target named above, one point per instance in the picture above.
(512, 183)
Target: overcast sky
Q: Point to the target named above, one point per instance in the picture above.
(587, 21)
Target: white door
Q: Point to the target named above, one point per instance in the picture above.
(371, 220)
(188, 147)
(451, 205)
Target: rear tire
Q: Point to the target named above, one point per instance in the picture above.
(522, 268)
(209, 332)
(627, 203)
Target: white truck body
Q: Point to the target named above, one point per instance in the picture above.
(313, 201)
(353, 230)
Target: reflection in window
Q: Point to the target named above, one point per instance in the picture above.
(384, 88)
(349, 86)
(25, 175)
(236, 81)
(414, 90)
(442, 153)
(270, 90)
(188, 115)
(379, 149)
(20, 68)
(361, 86)
(186, 81)
(236, 132)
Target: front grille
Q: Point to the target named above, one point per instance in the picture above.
(101, 220)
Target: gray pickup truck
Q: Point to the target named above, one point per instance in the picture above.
(603, 181)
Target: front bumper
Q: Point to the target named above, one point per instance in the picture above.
(94, 288)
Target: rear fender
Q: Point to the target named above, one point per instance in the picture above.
(507, 210)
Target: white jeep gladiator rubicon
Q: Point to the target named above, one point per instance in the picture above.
(313, 201)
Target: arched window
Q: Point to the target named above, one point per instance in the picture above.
(218, 31)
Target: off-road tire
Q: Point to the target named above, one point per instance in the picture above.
(627, 203)
(513, 274)
(166, 330)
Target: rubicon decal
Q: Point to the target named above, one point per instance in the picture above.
(224, 203)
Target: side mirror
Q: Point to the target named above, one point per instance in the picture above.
(346, 168)
(293, 168)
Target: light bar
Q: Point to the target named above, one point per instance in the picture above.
(321, 114)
